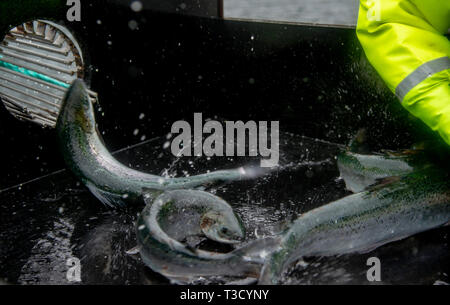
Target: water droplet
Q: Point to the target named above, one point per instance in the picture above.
(132, 24)
(136, 6)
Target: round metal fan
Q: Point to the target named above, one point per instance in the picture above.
(38, 62)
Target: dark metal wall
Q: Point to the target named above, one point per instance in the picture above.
(202, 8)
(314, 80)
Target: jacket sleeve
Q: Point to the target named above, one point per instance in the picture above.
(405, 41)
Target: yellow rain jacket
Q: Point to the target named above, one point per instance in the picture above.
(405, 41)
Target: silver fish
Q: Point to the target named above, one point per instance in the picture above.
(111, 182)
(208, 214)
(362, 170)
(395, 209)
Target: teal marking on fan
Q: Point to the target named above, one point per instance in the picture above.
(31, 73)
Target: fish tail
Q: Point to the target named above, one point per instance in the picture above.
(253, 256)
(241, 267)
(252, 270)
(229, 175)
(221, 175)
(258, 250)
(272, 270)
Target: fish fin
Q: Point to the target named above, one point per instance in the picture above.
(189, 245)
(358, 144)
(245, 281)
(193, 241)
(381, 243)
(133, 251)
(282, 226)
(382, 182)
(387, 241)
(191, 249)
(179, 280)
(150, 194)
(109, 199)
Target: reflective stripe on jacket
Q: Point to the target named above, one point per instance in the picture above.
(405, 41)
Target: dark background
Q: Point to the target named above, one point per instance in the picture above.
(314, 80)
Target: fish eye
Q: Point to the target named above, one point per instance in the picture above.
(224, 231)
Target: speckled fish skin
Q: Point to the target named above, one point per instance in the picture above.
(173, 259)
(110, 181)
(360, 170)
(208, 214)
(361, 222)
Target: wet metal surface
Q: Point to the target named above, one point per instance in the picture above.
(314, 11)
(314, 80)
(48, 221)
